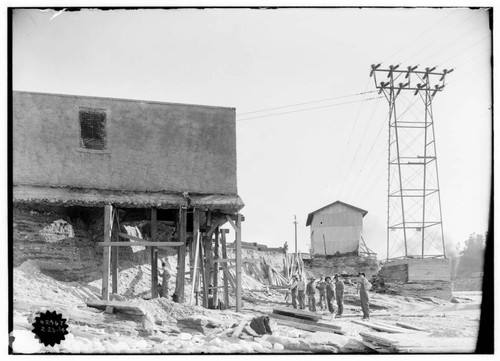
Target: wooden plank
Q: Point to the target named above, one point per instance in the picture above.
(372, 314)
(380, 327)
(302, 326)
(375, 347)
(106, 253)
(380, 339)
(154, 256)
(296, 312)
(239, 302)
(397, 328)
(307, 322)
(145, 244)
(410, 327)
(123, 306)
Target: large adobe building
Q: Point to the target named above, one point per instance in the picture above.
(170, 163)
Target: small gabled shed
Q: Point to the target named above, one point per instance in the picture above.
(336, 229)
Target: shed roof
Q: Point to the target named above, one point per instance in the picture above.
(310, 216)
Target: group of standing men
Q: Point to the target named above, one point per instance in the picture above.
(328, 292)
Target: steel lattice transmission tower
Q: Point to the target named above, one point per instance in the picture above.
(414, 217)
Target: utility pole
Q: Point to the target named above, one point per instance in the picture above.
(414, 217)
(295, 222)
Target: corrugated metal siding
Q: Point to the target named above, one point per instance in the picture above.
(338, 227)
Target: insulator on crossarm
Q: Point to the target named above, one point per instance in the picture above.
(374, 67)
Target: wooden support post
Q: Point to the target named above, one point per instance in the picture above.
(154, 256)
(224, 255)
(196, 230)
(203, 273)
(193, 283)
(216, 268)
(106, 251)
(237, 249)
(208, 266)
(239, 265)
(114, 254)
(181, 256)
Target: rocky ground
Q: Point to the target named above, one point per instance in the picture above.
(57, 267)
(170, 327)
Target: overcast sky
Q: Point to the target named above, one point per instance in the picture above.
(299, 157)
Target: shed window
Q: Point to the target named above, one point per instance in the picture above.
(93, 128)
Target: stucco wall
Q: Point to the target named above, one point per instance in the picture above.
(150, 146)
(337, 227)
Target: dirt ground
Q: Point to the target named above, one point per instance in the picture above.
(163, 331)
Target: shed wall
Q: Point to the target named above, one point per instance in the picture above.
(150, 146)
(337, 227)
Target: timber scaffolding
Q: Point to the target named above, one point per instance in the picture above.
(206, 243)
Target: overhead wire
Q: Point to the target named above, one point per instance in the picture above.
(349, 139)
(309, 102)
(306, 109)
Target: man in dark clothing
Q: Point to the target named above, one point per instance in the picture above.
(311, 291)
(330, 294)
(165, 280)
(321, 287)
(363, 287)
(339, 293)
(293, 290)
(301, 289)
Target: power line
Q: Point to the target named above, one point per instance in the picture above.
(423, 33)
(306, 109)
(310, 102)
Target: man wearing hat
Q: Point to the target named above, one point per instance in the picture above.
(363, 288)
(293, 290)
(311, 291)
(330, 294)
(339, 294)
(301, 288)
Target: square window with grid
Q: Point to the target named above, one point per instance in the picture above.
(93, 128)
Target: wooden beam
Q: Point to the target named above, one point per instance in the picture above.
(114, 254)
(307, 322)
(296, 313)
(239, 303)
(209, 265)
(203, 273)
(231, 222)
(225, 279)
(215, 225)
(381, 327)
(124, 235)
(302, 326)
(144, 244)
(133, 308)
(154, 255)
(248, 260)
(181, 259)
(216, 268)
(106, 252)
(196, 230)
(193, 281)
